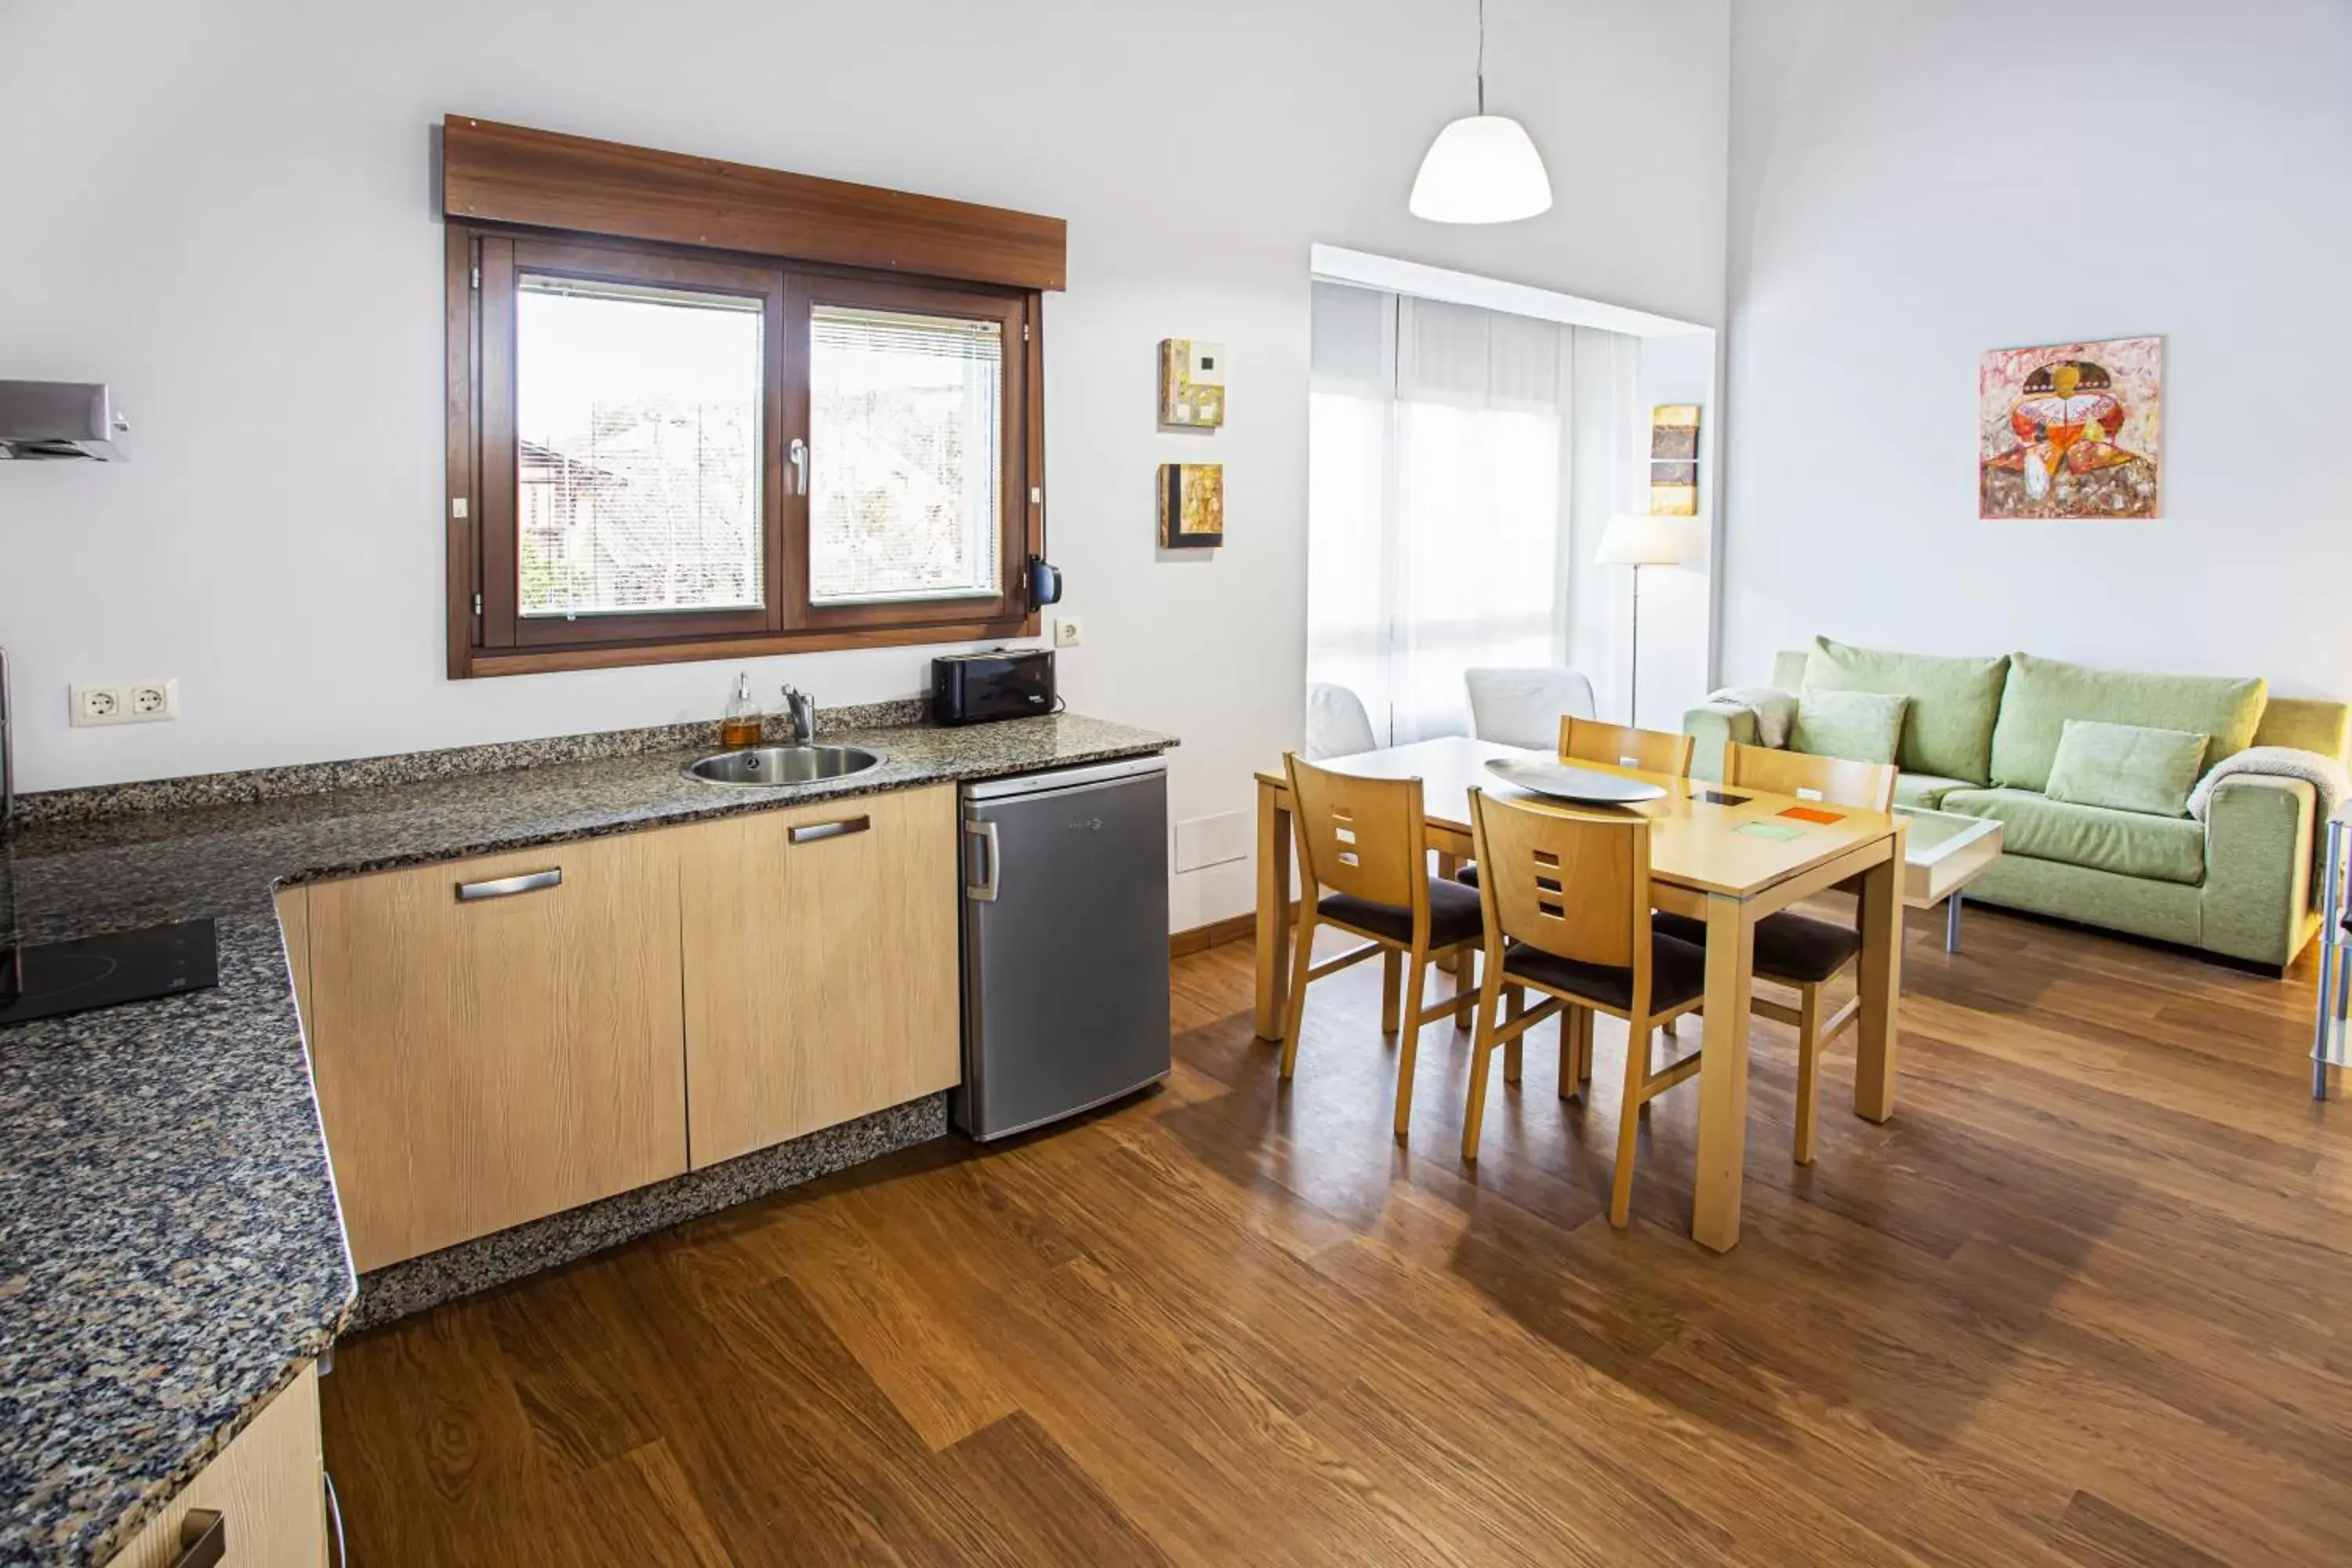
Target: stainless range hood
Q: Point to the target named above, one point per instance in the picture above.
(60, 420)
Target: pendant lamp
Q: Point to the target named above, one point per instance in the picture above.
(1482, 168)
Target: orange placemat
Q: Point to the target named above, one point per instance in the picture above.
(1814, 814)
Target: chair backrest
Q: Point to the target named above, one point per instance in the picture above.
(1523, 705)
(1360, 835)
(1337, 724)
(1650, 750)
(1837, 780)
(1573, 885)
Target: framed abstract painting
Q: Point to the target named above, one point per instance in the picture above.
(1192, 384)
(1191, 506)
(1674, 460)
(2071, 431)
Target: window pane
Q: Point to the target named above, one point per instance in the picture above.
(637, 425)
(906, 437)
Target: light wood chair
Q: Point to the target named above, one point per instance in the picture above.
(1567, 907)
(1621, 745)
(1366, 840)
(1793, 950)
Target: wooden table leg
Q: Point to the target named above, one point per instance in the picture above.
(1273, 908)
(1723, 1075)
(1879, 977)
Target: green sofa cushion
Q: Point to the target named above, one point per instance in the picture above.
(1862, 726)
(2044, 693)
(2165, 911)
(2128, 843)
(2126, 766)
(1954, 701)
(1925, 791)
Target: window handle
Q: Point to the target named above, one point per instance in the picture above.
(797, 454)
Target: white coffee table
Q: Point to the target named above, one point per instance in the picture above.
(1943, 853)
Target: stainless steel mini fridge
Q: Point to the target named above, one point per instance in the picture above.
(1065, 942)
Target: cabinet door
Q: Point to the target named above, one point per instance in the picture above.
(821, 975)
(267, 1486)
(498, 1039)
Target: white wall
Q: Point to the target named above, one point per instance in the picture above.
(1912, 184)
(226, 210)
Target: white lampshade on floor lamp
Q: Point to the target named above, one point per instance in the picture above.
(1483, 168)
(1637, 541)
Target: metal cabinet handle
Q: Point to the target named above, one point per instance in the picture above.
(508, 887)
(203, 1539)
(334, 1519)
(812, 832)
(984, 890)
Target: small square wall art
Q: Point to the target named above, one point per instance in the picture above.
(1192, 384)
(2071, 431)
(1674, 460)
(1191, 506)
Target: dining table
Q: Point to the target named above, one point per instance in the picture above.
(1726, 855)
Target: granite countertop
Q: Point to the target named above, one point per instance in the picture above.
(170, 1247)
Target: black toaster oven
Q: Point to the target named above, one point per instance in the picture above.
(1008, 683)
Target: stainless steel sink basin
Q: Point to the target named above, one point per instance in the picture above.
(782, 765)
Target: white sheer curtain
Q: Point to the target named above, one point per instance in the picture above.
(1609, 467)
(1438, 518)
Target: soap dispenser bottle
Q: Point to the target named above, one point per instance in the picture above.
(741, 726)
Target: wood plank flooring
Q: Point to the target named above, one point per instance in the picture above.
(2079, 1304)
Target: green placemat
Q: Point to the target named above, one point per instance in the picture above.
(1769, 830)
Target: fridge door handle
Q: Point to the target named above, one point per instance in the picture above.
(984, 890)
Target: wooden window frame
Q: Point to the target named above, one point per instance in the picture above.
(855, 247)
(505, 259)
(807, 290)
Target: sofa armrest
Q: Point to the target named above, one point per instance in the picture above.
(2258, 853)
(1715, 724)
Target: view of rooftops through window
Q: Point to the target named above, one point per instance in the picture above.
(637, 425)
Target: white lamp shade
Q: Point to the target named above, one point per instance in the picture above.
(1481, 169)
(1634, 540)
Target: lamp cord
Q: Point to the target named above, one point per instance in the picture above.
(1482, 57)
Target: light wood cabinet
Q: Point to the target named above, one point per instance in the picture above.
(294, 926)
(820, 965)
(497, 1039)
(268, 1486)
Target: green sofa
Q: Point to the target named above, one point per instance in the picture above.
(1978, 738)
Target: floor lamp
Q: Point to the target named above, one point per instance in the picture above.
(1637, 541)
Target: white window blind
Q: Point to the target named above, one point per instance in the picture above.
(905, 444)
(638, 441)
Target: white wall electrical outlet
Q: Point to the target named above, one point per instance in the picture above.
(149, 702)
(97, 704)
(153, 701)
(1069, 631)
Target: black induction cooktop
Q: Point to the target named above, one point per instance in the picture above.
(44, 979)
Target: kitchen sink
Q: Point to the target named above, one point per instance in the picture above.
(782, 764)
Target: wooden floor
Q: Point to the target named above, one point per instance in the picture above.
(2081, 1302)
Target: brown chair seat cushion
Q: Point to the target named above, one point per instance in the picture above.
(1454, 915)
(1787, 946)
(1678, 973)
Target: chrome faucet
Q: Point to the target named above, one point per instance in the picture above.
(800, 709)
